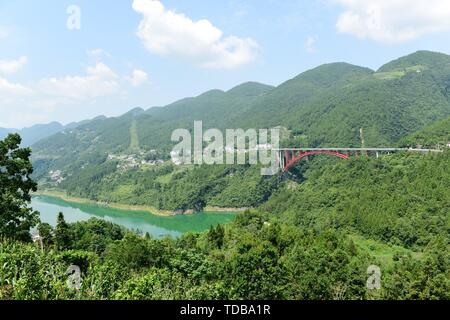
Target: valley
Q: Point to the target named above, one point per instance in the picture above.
(311, 233)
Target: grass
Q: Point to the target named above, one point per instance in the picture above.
(164, 179)
(416, 68)
(396, 74)
(123, 191)
(134, 138)
(381, 252)
(391, 75)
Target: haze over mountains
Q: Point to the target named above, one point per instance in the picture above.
(33, 134)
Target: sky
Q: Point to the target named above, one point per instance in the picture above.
(73, 60)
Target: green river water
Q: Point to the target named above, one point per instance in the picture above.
(157, 226)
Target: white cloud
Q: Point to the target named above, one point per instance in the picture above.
(23, 119)
(98, 53)
(310, 44)
(12, 66)
(11, 96)
(8, 89)
(138, 78)
(168, 33)
(393, 20)
(101, 70)
(99, 81)
(97, 88)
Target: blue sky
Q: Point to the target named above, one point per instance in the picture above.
(146, 53)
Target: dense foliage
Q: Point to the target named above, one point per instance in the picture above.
(435, 136)
(173, 188)
(401, 199)
(16, 218)
(315, 240)
(256, 257)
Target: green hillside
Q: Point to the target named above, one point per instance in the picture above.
(437, 135)
(325, 106)
(312, 241)
(402, 199)
(387, 108)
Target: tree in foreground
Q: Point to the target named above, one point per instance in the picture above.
(62, 233)
(16, 218)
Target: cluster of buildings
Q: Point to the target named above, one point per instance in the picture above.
(128, 161)
(56, 176)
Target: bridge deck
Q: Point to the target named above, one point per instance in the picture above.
(361, 149)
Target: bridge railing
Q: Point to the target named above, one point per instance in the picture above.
(362, 149)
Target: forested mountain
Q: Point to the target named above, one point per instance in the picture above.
(325, 106)
(328, 104)
(388, 104)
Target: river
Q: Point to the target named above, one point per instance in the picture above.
(157, 226)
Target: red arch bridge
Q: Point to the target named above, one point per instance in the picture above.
(289, 157)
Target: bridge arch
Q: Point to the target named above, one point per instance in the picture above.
(290, 158)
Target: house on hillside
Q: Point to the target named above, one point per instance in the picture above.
(56, 176)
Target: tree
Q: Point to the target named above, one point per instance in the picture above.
(46, 233)
(63, 236)
(216, 236)
(16, 219)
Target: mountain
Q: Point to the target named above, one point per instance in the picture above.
(150, 129)
(35, 133)
(417, 61)
(214, 107)
(290, 103)
(4, 132)
(328, 105)
(325, 106)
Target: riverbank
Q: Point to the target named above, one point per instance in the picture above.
(152, 210)
(220, 209)
(63, 196)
